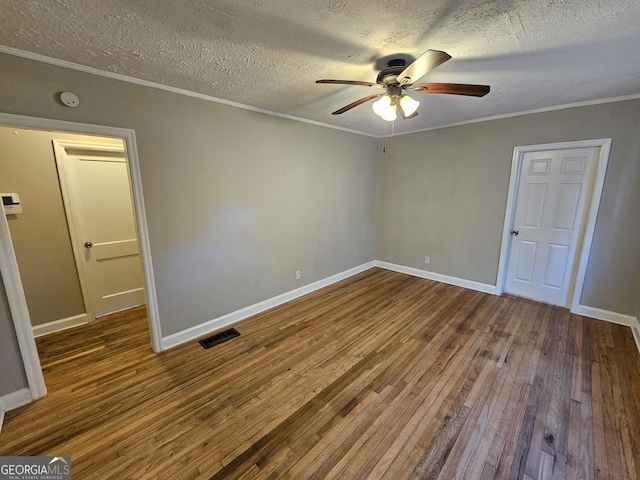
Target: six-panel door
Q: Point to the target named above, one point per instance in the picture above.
(548, 223)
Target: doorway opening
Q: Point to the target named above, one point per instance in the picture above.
(552, 205)
(99, 171)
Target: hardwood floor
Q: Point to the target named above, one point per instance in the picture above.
(380, 376)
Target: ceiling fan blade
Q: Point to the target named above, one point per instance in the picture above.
(452, 89)
(351, 82)
(405, 117)
(422, 65)
(356, 103)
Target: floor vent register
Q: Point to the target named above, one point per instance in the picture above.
(219, 338)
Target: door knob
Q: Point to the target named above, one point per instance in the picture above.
(515, 233)
(88, 244)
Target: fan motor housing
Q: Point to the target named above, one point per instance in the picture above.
(389, 75)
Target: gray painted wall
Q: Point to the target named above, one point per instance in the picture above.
(236, 201)
(12, 375)
(443, 193)
(40, 233)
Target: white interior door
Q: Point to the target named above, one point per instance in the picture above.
(99, 205)
(549, 221)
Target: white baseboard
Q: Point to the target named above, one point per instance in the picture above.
(11, 401)
(58, 325)
(606, 315)
(583, 310)
(233, 317)
(199, 330)
(438, 277)
(635, 329)
(613, 317)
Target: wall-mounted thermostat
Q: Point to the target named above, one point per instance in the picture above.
(11, 203)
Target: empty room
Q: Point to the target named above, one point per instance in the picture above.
(322, 239)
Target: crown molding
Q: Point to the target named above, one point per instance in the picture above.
(586, 103)
(179, 91)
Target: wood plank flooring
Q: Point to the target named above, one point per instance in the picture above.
(380, 376)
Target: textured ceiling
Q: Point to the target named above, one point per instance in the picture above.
(267, 54)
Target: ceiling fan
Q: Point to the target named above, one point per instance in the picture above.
(399, 77)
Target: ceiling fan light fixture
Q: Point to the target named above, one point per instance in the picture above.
(385, 108)
(409, 105)
(390, 115)
(382, 105)
(398, 77)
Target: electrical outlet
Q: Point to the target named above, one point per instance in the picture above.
(427, 260)
(297, 274)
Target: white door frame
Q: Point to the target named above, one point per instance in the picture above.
(594, 203)
(20, 312)
(9, 264)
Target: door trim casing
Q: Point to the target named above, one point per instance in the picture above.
(593, 202)
(9, 265)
